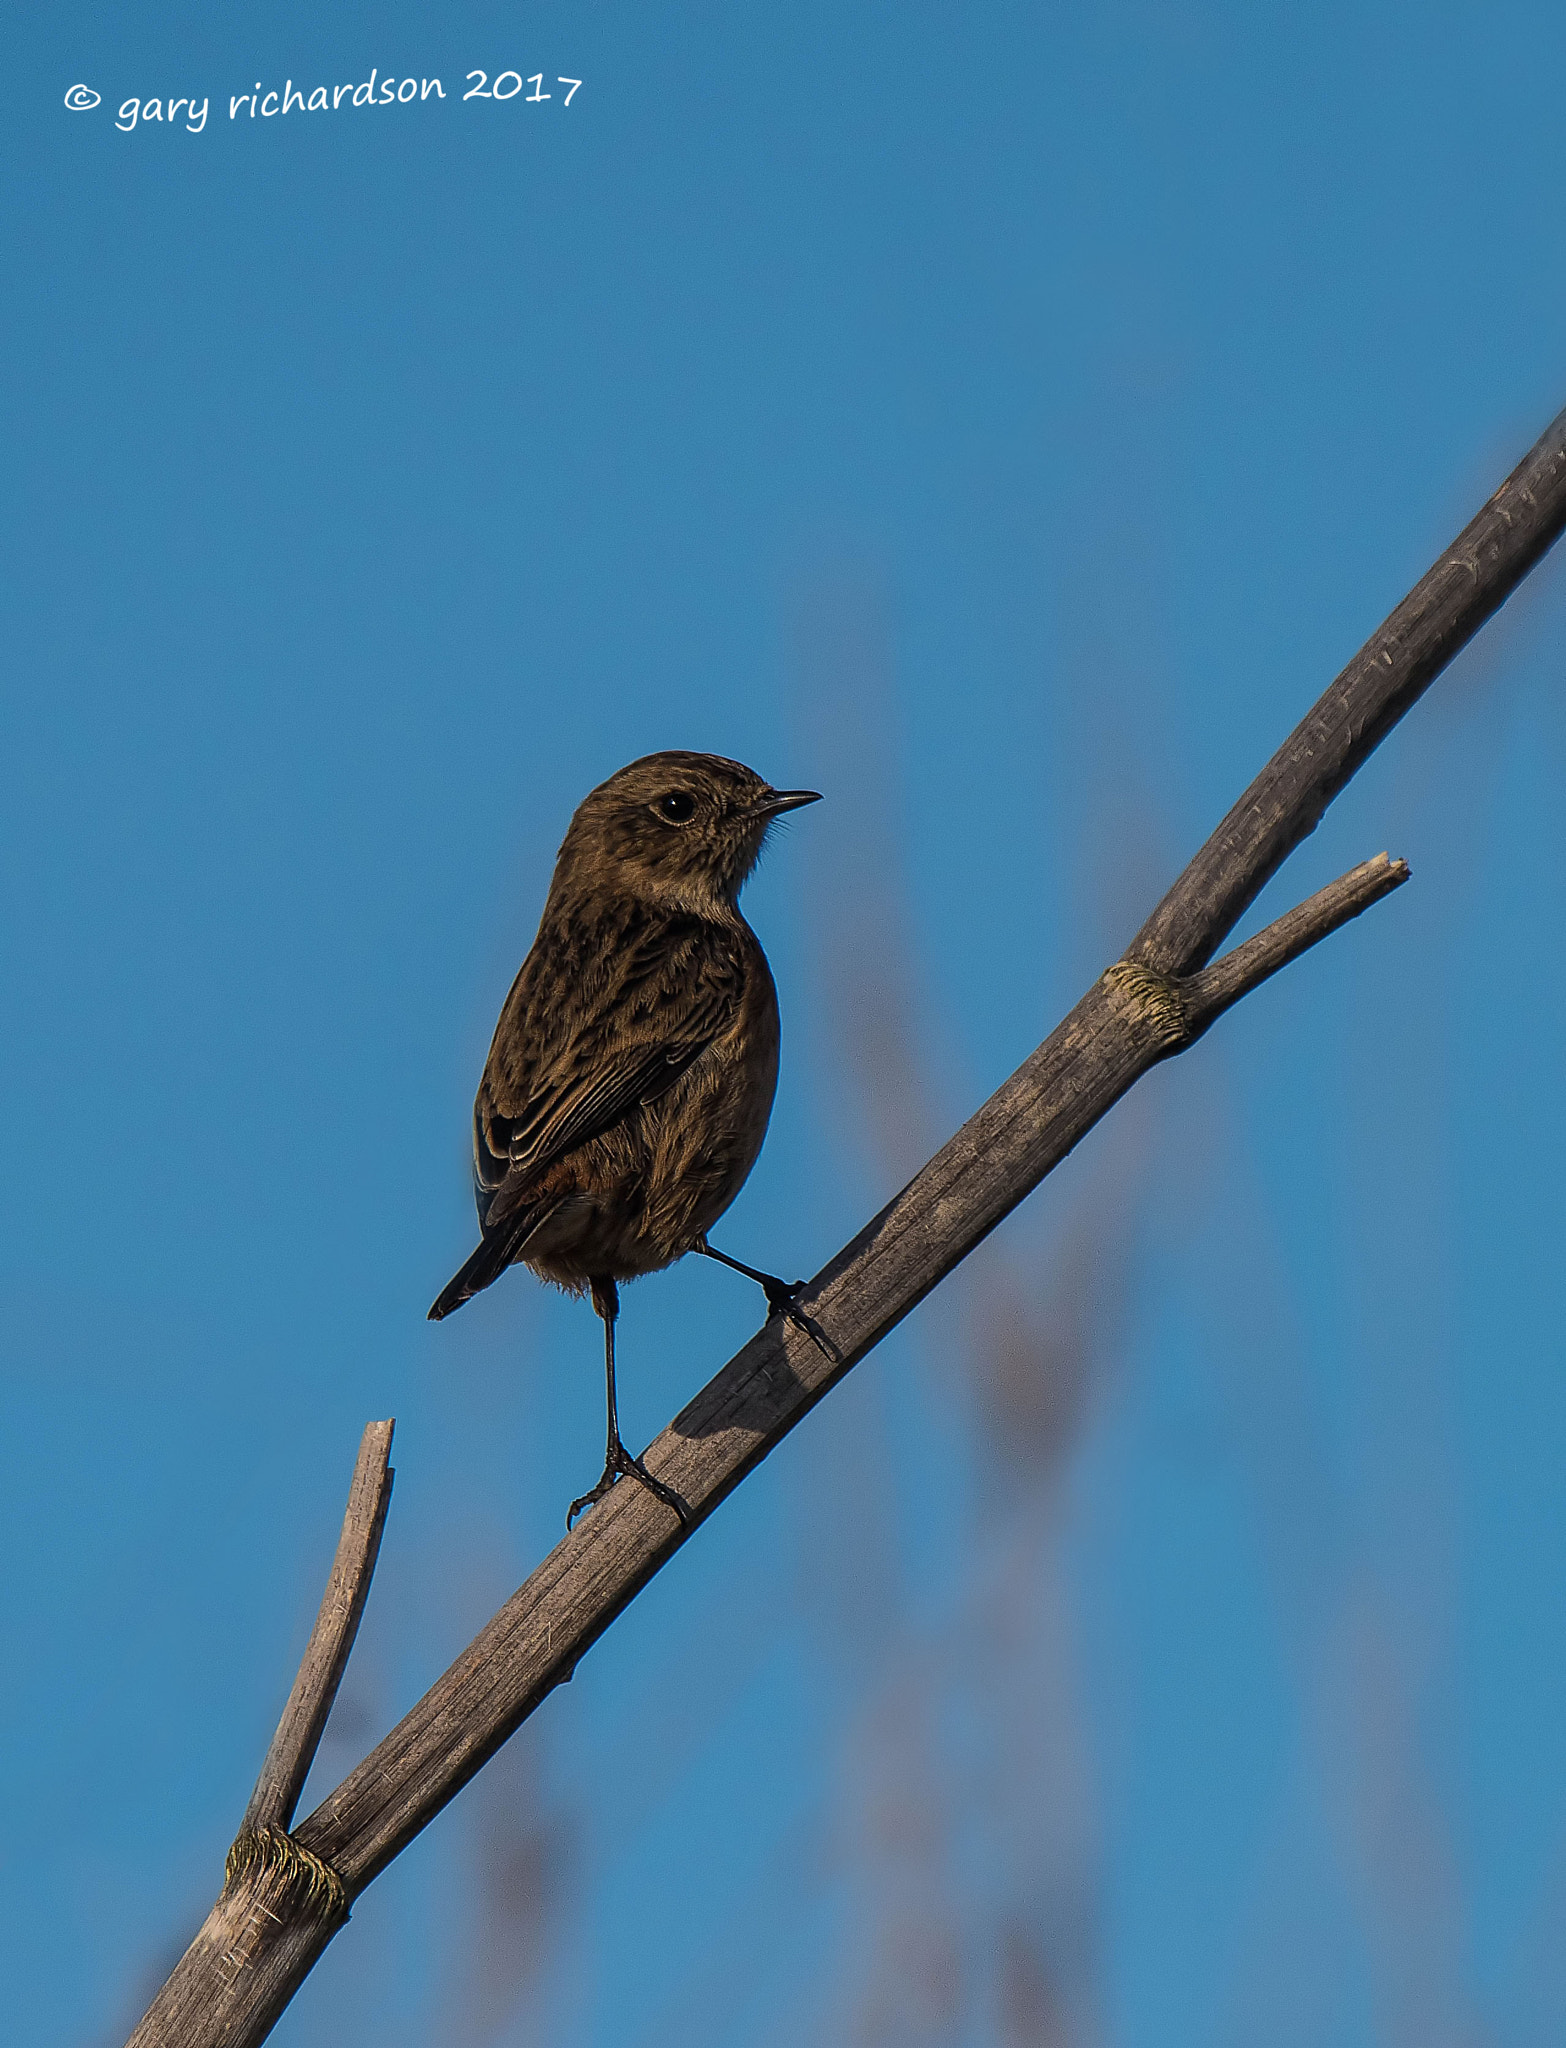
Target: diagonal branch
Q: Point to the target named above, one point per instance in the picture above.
(1154, 1002)
(1128, 1021)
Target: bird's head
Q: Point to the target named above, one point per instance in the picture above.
(684, 829)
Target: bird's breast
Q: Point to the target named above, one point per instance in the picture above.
(711, 1124)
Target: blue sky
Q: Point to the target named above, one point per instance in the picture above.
(1005, 421)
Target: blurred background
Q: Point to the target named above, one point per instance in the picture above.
(1006, 421)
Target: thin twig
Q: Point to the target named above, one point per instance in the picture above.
(299, 1732)
(1205, 996)
(1131, 1018)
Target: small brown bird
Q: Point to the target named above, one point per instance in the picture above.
(631, 1075)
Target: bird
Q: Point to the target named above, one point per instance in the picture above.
(630, 1079)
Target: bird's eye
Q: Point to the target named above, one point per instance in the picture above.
(676, 806)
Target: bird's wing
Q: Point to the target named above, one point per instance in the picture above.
(598, 1023)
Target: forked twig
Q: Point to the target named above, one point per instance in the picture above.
(264, 1934)
(271, 1880)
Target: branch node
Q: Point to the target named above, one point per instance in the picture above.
(285, 1874)
(1153, 1000)
(270, 1880)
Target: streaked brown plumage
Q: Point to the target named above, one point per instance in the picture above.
(632, 1071)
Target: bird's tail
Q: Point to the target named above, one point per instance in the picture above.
(487, 1264)
(496, 1251)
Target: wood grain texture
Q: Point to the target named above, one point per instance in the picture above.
(1149, 1005)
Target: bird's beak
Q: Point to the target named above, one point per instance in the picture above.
(780, 800)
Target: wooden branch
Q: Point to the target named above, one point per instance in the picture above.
(1154, 1002)
(1388, 676)
(325, 1659)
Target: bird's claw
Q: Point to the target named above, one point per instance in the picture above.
(783, 1300)
(621, 1465)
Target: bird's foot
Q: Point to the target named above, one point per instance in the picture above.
(621, 1465)
(783, 1300)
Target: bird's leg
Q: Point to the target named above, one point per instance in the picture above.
(618, 1462)
(782, 1296)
